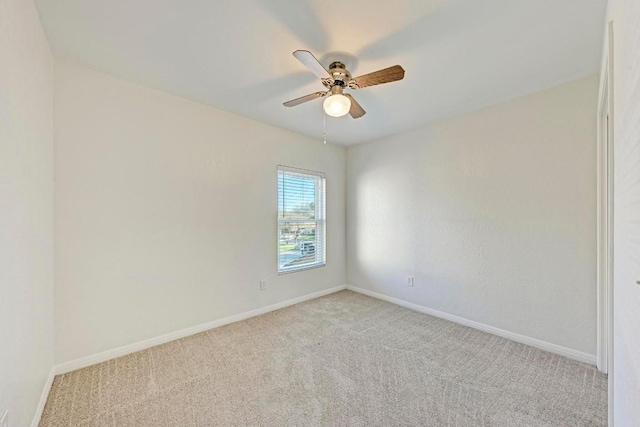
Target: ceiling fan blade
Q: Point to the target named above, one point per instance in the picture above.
(356, 110)
(311, 63)
(386, 75)
(305, 98)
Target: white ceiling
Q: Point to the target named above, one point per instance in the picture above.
(236, 54)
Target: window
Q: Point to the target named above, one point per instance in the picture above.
(301, 219)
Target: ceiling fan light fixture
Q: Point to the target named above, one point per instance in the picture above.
(337, 105)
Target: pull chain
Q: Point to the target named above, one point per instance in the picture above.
(324, 126)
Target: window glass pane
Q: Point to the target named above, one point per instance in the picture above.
(298, 244)
(297, 196)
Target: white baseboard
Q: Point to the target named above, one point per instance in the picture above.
(43, 398)
(83, 362)
(533, 342)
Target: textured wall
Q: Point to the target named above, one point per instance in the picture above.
(493, 213)
(626, 27)
(166, 213)
(26, 210)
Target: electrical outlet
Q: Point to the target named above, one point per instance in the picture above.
(410, 282)
(4, 419)
(263, 287)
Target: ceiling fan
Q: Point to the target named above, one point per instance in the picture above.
(336, 79)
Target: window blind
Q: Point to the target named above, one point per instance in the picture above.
(301, 219)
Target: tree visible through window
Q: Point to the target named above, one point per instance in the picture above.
(301, 219)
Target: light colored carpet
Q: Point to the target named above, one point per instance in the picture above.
(340, 360)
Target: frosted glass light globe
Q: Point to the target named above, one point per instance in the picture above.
(337, 105)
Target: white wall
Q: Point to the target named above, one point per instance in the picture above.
(493, 213)
(166, 213)
(26, 210)
(626, 369)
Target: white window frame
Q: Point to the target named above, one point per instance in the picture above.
(320, 219)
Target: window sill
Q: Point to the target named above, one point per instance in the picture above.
(306, 267)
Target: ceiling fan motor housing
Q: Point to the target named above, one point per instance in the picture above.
(339, 73)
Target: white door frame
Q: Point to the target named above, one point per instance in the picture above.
(605, 216)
